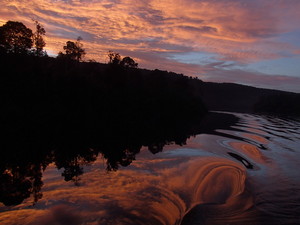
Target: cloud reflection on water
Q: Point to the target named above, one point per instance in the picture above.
(196, 183)
(159, 191)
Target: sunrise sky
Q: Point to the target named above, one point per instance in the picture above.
(253, 42)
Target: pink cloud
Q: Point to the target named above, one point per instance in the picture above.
(233, 30)
(222, 27)
(286, 83)
(297, 51)
(120, 197)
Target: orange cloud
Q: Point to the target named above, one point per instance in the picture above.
(120, 197)
(232, 30)
(214, 26)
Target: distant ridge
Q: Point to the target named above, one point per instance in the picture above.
(241, 98)
(185, 94)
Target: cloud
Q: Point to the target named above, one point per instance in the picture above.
(60, 214)
(297, 52)
(151, 191)
(234, 30)
(199, 22)
(201, 29)
(218, 72)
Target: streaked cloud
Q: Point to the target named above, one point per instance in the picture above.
(120, 197)
(237, 31)
(214, 73)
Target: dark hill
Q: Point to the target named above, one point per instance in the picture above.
(50, 103)
(241, 98)
(69, 112)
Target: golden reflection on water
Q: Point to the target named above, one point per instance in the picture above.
(200, 183)
(251, 151)
(157, 192)
(256, 138)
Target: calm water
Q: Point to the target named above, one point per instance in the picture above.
(247, 172)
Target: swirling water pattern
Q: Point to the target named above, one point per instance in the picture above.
(248, 174)
(270, 152)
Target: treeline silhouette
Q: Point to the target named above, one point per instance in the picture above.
(16, 38)
(280, 103)
(67, 112)
(67, 100)
(246, 99)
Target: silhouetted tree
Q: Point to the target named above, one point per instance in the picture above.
(15, 37)
(128, 62)
(114, 58)
(38, 40)
(67, 113)
(73, 50)
(19, 181)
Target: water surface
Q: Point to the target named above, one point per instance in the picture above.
(238, 169)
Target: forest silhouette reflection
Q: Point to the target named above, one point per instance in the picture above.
(67, 112)
(23, 166)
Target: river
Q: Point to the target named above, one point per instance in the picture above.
(246, 173)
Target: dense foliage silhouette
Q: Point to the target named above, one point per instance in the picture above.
(38, 39)
(116, 59)
(280, 103)
(22, 167)
(73, 50)
(240, 98)
(15, 37)
(67, 112)
(128, 62)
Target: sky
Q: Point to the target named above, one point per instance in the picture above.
(156, 189)
(251, 42)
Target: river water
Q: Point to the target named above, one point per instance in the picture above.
(245, 173)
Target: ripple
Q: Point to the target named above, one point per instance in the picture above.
(220, 177)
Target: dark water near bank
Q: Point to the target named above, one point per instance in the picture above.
(245, 171)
